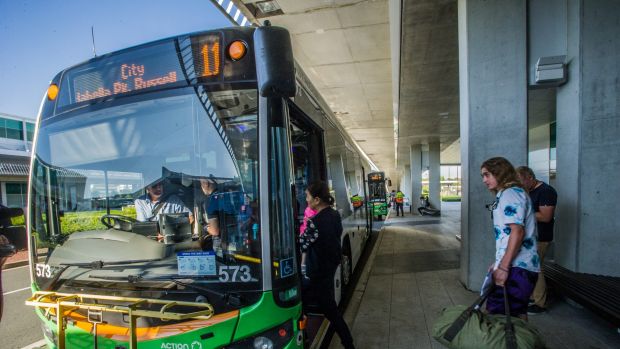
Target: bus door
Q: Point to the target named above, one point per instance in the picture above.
(369, 215)
(308, 156)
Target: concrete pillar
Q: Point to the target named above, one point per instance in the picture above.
(415, 158)
(336, 172)
(359, 180)
(434, 176)
(493, 115)
(405, 184)
(588, 125)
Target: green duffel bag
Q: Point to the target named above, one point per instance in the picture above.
(461, 327)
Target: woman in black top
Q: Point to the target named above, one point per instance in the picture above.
(321, 242)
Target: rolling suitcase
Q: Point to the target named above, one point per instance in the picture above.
(461, 327)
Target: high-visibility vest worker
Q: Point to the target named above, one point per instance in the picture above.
(357, 201)
(400, 197)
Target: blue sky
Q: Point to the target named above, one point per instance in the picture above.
(40, 38)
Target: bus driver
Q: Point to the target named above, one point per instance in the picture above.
(151, 205)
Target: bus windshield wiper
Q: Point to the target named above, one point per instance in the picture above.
(91, 265)
(231, 298)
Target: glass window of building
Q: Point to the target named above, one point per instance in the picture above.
(2, 127)
(16, 194)
(13, 129)
(29, 131)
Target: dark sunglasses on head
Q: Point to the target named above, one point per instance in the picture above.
(493, 205)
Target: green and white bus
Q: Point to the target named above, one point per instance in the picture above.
(224, 107)
(377, 195)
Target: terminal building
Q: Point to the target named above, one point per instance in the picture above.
(16, 135)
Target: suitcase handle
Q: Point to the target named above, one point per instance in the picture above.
(457, 325)
(511, 339)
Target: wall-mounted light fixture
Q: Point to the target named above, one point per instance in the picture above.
(551, 70)
(261, 9)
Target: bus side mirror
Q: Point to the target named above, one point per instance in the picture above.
(275, 66)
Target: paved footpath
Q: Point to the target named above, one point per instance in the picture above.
(16, 260)
(415, 274)
(19, 327)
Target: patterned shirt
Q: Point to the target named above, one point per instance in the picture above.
(322, 241)
(309, 235)
(513, 206)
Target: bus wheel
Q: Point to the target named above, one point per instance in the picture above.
(345, 267)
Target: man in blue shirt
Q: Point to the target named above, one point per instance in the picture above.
(210, 210)
(544, 199)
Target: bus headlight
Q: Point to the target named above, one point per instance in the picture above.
(261, 342)
(274, 338)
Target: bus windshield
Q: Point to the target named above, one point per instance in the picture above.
(155, 197)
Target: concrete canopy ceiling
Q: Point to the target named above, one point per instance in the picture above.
(429, 78)
(344, 47)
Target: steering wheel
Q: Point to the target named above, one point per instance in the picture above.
(119, 222)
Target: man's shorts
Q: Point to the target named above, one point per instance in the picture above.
(520, 284)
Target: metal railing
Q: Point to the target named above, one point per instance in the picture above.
(63, 304)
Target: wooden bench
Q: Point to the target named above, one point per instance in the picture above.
(600, 294)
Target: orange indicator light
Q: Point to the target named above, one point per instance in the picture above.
(52, 92)
(237, 50)
(301, 324)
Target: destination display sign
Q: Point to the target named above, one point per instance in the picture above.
(207, 55)
(140, 69)
(129, 77)
(375, 177)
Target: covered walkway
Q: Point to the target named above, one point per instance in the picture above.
(413, 273)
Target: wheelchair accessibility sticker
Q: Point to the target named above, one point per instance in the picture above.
(287, 268)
